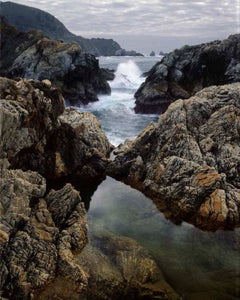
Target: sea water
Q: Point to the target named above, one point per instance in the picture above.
(196, 264)
(116, 111)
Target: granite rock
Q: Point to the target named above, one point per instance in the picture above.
(188, 162)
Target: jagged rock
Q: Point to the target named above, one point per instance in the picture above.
(89, 145)
(152, 53)
(38, 134)
(188, 162)
(185, 71)
(36, 233)
(33, 56)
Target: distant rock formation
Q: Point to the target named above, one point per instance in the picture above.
(189, 162)
(162, 53)
(183, 72)
(123, 52)
(152, 53)
(26, 18)
(31, 55)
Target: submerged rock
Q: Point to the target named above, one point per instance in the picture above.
(33, 56)
(38, 134)
(188, 162)
(119, 268)
(185, 71)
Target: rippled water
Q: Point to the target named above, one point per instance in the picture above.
(116, 110)
(198, 265)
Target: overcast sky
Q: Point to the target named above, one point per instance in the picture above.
(147, 25)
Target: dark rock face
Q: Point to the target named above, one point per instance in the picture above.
(188, 162)
(123, 52)
(183, 72)
(74, 71)
(38, 134)
(26, 18)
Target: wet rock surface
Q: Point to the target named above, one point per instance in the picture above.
(185, 71)
(119, 268)
(188, 162)
(33, 56)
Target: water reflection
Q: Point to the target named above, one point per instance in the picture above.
(197, 264)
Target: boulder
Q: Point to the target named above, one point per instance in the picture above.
(38, 133)
(189, 162)
(32, 55)
(38, 233)
(185, 71)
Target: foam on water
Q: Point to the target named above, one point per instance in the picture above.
(128, 75)
(116, 111)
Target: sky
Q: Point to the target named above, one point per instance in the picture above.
(158, 25)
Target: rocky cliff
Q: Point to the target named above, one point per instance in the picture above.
(185, 71)
(26, 18)
(43, 231)
(31, 55)
(189, 162)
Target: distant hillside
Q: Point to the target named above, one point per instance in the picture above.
(25, 18)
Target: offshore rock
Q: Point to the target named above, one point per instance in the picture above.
(185, 71)
(189, 162)
(38, 234)
(38, 134)
(31, 55)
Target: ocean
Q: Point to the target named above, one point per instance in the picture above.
(116, 110)
(195, 263)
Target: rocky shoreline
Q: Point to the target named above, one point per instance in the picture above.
(42, 231)
(188, 163)
(31, 55)
(185, 71)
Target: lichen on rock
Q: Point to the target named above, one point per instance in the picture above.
(188, 162)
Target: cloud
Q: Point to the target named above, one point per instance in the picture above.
(156, 18)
